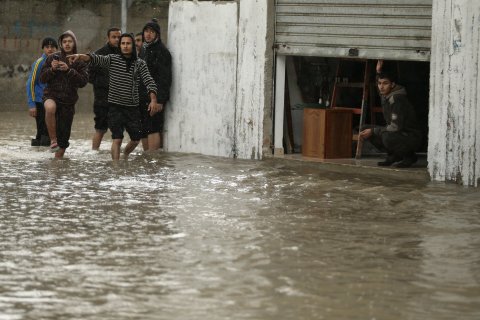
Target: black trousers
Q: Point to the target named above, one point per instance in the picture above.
(40, 121)
(399, 144)
(64, 117)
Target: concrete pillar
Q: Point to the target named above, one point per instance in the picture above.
(251, 78)
(454, 131)
(279, 104)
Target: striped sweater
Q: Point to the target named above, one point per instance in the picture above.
(123, 84)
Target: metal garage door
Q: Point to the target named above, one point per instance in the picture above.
(389, 29)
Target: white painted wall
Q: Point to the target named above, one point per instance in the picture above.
(454, 133)
(252, 28)
(218, 91)
(202, 38)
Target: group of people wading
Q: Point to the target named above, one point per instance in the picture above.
(131, 81)
(131, 77)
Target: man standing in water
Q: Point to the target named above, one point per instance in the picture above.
(402, 136)
(35, 93)
(99, 79)
(63, 80)
(159, 62)
(125, 70)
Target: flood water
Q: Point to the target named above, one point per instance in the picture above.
(175, 236)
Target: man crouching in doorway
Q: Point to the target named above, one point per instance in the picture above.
(402, 135)
(124, 70)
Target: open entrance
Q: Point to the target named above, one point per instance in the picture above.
(323, 98)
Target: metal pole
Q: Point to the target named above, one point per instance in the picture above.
(124, 15)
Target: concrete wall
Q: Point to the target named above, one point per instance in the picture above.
(251, 76)
(219, 102)
(25, 23)
(203, 44)
(454, 136)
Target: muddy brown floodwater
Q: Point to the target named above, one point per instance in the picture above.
(179, 236)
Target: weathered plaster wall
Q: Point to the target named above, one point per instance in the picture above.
(218, 98)
(454, 138)
(269, 94)
(201, 113)
(251, 78)
(23, 25)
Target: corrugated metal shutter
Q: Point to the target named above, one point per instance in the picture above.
(389, 29)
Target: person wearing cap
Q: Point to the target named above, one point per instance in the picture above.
(159, 63)
(125, 72)
(35, 88)
(99, 78)
(63, 80)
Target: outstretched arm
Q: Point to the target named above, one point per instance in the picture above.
(93, 59)
(78, 56)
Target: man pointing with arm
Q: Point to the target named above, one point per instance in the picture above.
(125, 73)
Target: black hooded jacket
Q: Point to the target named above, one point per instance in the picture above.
(99, 76)
(159, 62)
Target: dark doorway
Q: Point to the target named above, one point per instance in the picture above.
(316, 77)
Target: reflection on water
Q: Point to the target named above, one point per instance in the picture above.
(171, 236)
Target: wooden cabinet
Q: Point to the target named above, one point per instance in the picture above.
(327, 133)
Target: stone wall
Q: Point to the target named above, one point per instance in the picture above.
(25, 23)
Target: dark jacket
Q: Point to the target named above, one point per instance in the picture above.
(399, 114)
(159, 63)
(99, 76)
(62, 86)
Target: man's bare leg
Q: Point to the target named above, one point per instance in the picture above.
(97, 139)
(130, 147)
(50, 120)
(116, 144)
(145, 144)
(154, 141)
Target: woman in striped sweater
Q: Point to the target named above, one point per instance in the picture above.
(125, 71)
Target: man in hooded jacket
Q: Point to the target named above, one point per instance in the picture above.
(159, 63)
(402, 136)
(63, 80)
